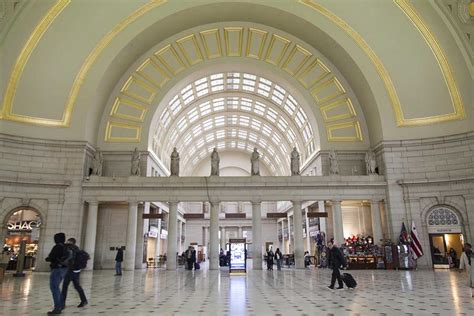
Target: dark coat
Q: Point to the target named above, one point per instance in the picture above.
(119, 256)
(58, 252)
(336, 258)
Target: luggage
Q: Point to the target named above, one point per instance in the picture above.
(197, 266)
(349, 281)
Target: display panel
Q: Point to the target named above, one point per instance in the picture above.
(237, 256)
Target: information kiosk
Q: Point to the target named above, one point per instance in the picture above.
(238, 264)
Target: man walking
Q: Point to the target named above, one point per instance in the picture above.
(118, 261)
(336, 260)
(58, 258)
(74, 271)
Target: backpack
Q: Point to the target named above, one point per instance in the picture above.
(67, 258)
(80, 260)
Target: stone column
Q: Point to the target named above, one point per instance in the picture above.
(140, 240)
(298, 235)
(469, 224)
(158, 241)
(180, 248)
(289, 232)
(91, 233)
(257, 235)
(308, 239)
(214, 236)
(337, 220)
(131, 236)
(223, 240)
(376, 221)
(282, 244)
(172, 236)
(322, 220)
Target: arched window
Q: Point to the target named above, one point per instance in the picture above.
(443, 216)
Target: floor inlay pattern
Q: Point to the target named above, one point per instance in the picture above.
(287, 292)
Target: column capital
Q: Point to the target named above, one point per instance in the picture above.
(94, 202)
(214, 203)
(256, 202)
(336, 201)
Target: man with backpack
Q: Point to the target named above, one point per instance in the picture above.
(58, 258)
(78, 262)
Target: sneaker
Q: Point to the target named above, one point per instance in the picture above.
(83, 304)
(55, 312)
(339, 288)
(331, 287)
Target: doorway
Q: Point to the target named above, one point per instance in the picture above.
(446, 250)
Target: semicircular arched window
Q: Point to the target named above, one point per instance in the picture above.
(442, 216)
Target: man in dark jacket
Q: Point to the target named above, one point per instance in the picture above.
(118, 261)
(73, 273)
(336, 260)
(190, 255)
(58, 259)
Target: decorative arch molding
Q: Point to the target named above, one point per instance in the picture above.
(149, 80)
(7, 210)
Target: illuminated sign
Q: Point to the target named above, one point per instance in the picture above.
(26, 225)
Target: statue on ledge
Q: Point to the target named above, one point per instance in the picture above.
(295, 162)
(215, 163)
(97, 163)
(174, 165)
(333, 165)
(135, 171)
(255, 169)
(370, 163)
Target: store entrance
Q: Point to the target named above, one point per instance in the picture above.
(446, 250)
(23, 224)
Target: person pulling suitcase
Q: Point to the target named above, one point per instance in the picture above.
(336, 260)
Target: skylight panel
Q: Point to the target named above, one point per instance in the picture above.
(271, 115)
(259, 108)
(207, 124)
(246, 104)
(197, 130)
(267, 130)
(188, 139)
(193, 115)
(198, 82)
(256, 124)
(291, 136)
(219, 121)
(241, 145)
(220, 134)
(299, 119)
(165, 118)
(244, 120)
(182, 124)
(252, 137)
(217, 76)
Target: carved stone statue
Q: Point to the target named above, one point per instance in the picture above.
(255, 168)
(135, 171)
(174, 164)
(215, 162)
(370, 163)
(97, 163)
(333, 165)
(295, 162)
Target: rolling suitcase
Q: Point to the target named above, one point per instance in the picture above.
(197, 266)
(349, 281)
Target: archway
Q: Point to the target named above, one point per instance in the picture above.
(22, 223)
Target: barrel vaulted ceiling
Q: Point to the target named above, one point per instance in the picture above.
(106, 73)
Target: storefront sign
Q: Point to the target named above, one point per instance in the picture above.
(164, 234)
(444, 229)
(153, 232)
(26, 225)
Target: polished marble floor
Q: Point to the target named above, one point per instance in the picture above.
(287, 292)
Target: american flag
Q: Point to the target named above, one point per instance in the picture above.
(403, 239)
(415, 242)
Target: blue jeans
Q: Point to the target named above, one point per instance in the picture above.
(55, 278)
(118, 267)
